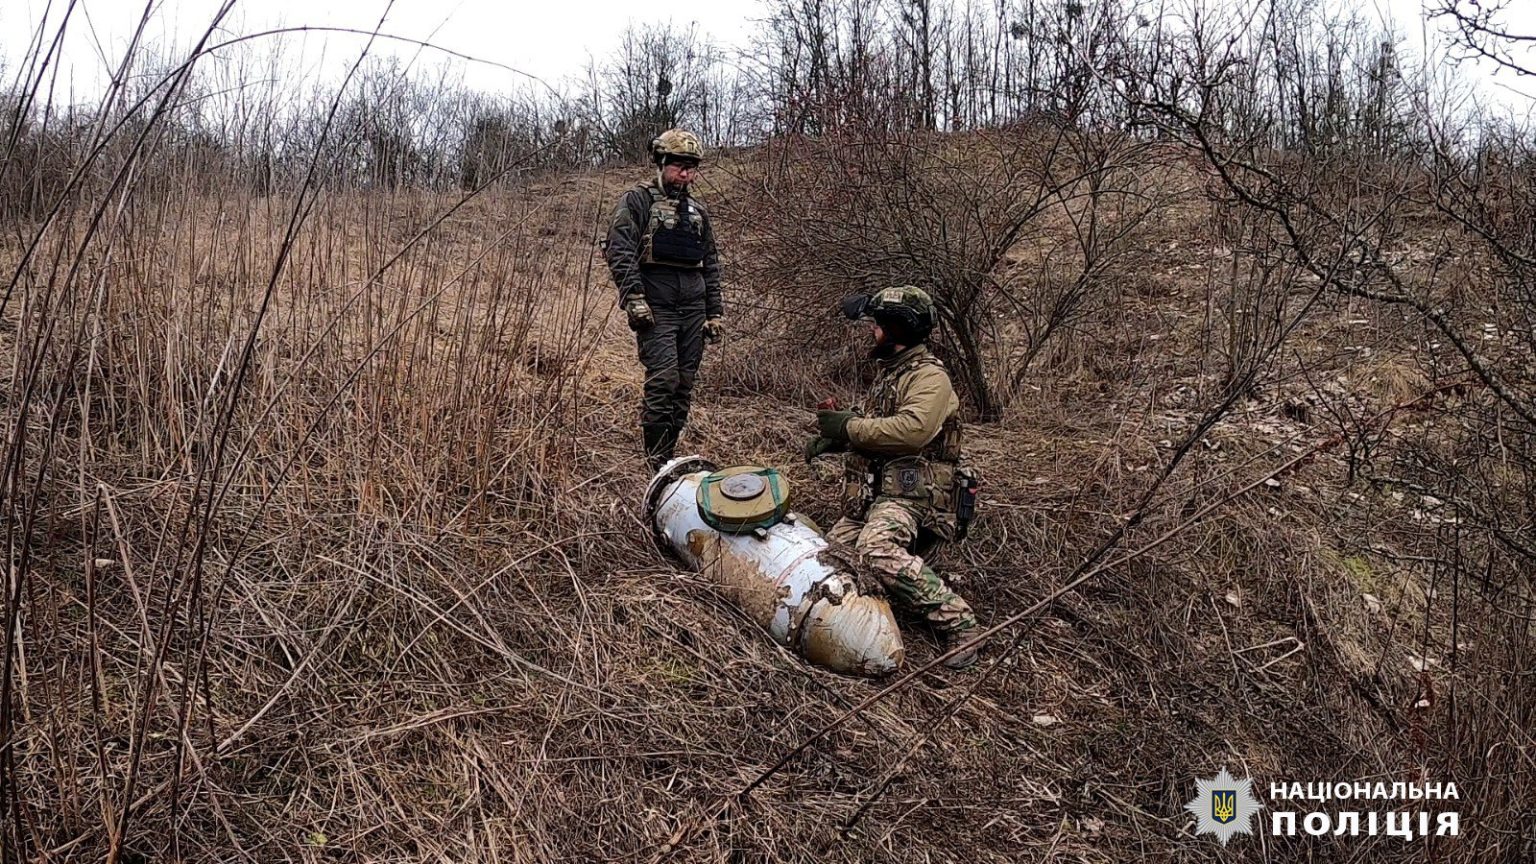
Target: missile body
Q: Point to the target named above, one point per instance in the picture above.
(734, 527)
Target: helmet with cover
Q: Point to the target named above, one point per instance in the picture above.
(677, 145)
(905, 312)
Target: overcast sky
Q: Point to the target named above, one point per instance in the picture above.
(550, 39)
(545, 38)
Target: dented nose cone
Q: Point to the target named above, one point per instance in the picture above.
(778, 569)
(856, 636)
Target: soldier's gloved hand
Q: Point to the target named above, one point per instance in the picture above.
(639, 312)
(714, 331)
(819, 445)
(834, 424)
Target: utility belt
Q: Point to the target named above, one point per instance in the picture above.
(948, 488)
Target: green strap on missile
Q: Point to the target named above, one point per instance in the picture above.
(742, 517)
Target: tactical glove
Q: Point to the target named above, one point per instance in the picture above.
(639, 312)
(714, 331)
(819, 445)
(834, 424)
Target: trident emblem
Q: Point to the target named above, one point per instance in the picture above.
(1224, 805)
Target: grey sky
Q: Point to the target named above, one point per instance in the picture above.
(548, 38)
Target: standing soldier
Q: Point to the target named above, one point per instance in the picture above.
(903, 471)
(661, 252)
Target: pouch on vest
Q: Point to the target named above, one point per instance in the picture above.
(918, 479)
(907, 477)
(967, 492)
(673, 241)
(858, 485)
(947, 491)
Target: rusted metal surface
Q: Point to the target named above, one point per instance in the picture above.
(779, 578)
(738, 578)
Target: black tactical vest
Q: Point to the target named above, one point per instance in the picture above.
(674, 232)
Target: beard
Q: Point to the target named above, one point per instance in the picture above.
(883, 351)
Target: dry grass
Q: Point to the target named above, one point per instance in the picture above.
(382, 590)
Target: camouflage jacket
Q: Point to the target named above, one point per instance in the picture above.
(637, 271)
(906, 408)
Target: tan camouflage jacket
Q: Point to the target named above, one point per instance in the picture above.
(907, 406)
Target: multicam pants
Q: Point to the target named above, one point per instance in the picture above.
(884, 540)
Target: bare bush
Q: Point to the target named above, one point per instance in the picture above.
(1405, 237)
(861, 211)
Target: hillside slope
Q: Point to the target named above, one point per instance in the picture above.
(423, 619)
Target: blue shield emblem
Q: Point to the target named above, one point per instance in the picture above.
(1224, 805)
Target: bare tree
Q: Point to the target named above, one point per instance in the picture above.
(1479, 29)
(657, 79)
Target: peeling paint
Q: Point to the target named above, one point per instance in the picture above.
(787, 580)
(838, 637)
(739, 579)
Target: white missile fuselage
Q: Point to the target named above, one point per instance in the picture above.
(783, 576)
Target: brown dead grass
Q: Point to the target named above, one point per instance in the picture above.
(428, 623)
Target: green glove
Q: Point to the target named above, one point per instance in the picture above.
(834, 424)
(714, 331)
(819, 445)
(639, 312)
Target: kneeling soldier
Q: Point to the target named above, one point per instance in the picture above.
(902, 464)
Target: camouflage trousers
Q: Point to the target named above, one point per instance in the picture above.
(884, 541)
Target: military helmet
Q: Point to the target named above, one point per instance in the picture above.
(676, 144)
(906, 310)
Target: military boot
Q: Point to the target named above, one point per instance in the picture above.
(969, 654)
(659, 441)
